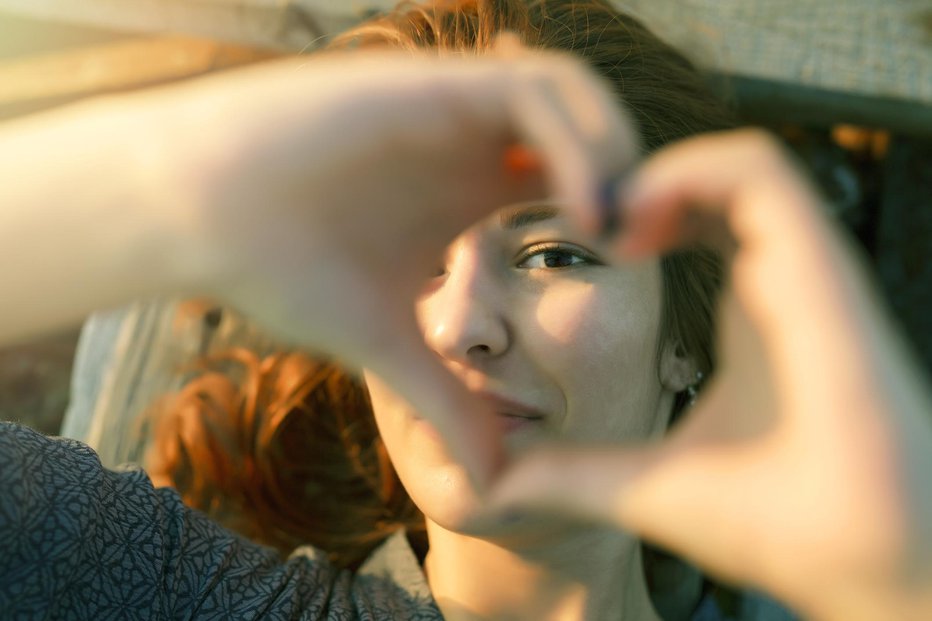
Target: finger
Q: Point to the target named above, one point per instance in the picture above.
(584, 100)
(434, 394)
(662, 494)
(742, 182)
(572, 120)
(742, 178)
(785, 248)
(582, 483)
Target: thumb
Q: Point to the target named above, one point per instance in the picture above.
(684, 496)
(588, 483)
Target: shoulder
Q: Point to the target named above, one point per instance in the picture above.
(82, 541)
(78, 538)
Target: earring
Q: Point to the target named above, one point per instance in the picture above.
(692, 391)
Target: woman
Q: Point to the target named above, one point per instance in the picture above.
(653, 326)
(233, 219)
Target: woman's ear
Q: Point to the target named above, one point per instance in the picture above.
(678, 369)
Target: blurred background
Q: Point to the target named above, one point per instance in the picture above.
(848, 85)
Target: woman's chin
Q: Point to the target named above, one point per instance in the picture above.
(444, 494)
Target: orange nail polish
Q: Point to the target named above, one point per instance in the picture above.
(519, 160)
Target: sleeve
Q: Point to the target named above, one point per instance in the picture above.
(78, 541)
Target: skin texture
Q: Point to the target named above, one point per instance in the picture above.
(545, 316)
(542, 320)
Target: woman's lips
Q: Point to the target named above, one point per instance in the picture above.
(512, 415)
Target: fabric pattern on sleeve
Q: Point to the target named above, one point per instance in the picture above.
(78, 541)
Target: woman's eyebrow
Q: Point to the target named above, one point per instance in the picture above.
(526, 214)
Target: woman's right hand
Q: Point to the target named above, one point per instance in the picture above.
(320, 196)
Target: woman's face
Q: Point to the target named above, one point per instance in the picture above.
(558, 335)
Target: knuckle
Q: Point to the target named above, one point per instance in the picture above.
(758, 140)
(761, 148)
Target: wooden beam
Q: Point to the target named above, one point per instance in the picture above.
(861, 47)
(774, 103)
(867, 59)
(286, 25)
(21, 36)
(40, 81)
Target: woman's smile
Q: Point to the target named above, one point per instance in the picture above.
(557, 338)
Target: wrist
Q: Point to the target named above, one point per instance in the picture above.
(168, 184)
(85, 223)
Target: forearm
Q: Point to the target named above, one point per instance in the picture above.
(83, 223)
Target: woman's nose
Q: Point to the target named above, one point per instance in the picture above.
(464, 317)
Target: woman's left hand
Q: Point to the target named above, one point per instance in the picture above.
(321, 196)
(804, 468)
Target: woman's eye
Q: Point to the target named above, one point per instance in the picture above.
(555, 256)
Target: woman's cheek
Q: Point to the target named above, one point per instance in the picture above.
(578, 343)
(562, 310)
(598, 343)
(588, 323)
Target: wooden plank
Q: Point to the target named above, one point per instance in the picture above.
(37, 81)
(878, 48)
(774, 104)
(21, 37)
(287, 25)
(130, 358)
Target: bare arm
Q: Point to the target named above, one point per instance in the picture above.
(79, 227)
(313, 196)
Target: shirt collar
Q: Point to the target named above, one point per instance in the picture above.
(395, 559)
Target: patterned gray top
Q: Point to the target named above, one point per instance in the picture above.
(78, 541)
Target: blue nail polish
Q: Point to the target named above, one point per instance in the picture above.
(609, 208)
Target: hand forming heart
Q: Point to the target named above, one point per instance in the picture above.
(810, 437)
(799, 468)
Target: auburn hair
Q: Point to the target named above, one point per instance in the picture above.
(284, 449)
